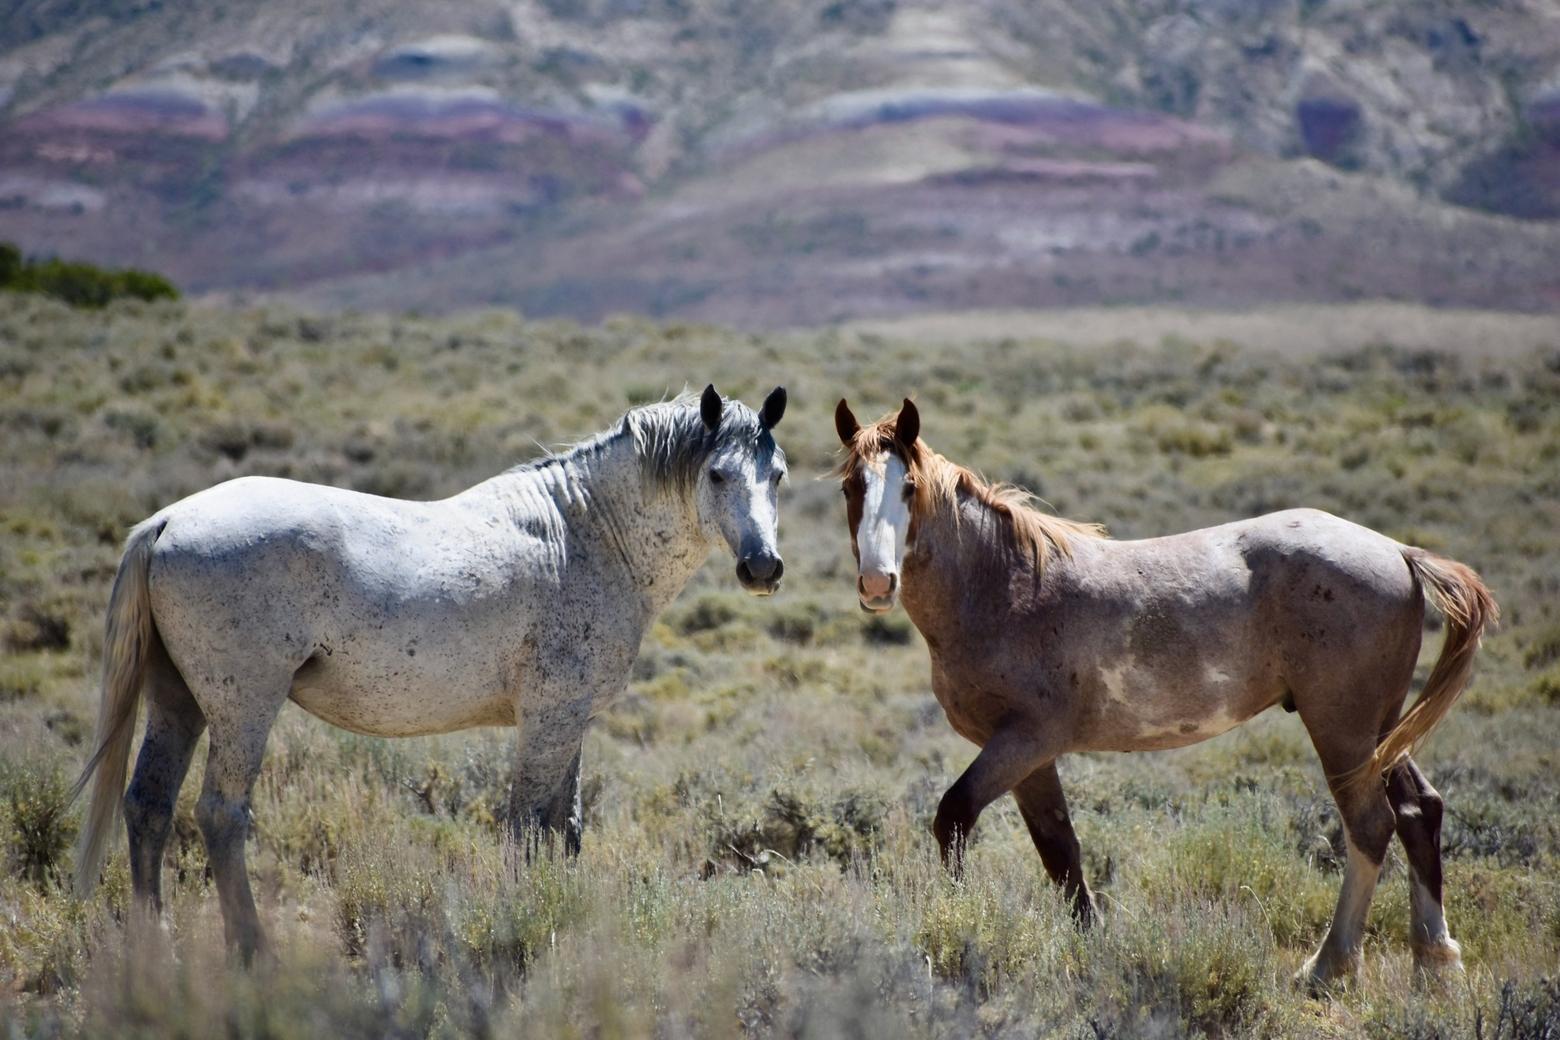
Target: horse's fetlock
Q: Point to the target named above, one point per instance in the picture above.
(1438, 958)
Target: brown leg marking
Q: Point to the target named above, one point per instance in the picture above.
(1044, 808)
(1419, 809)
(1008, 757)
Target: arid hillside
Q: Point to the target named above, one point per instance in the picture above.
(793, 164)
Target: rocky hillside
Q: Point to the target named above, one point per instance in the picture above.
(774, 164)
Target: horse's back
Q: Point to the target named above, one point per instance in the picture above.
(403, 612)
(1244, 555)
(285, 524)
(256, 560)
(246, 512)
(1174, 639)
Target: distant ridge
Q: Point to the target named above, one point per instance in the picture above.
(773, 165)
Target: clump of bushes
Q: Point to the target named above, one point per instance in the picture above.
(33, 822)
(503, 920)
(79, 284)
(21, 678)
(389, 902)
(794, 826)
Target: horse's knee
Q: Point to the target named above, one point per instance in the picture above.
(222, 821)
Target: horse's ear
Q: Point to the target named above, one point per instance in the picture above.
(845, 423)
(710, 406)
(908, 426)
(774, 409)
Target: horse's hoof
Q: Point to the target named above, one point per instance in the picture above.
(1325, 972)
(1439, 962)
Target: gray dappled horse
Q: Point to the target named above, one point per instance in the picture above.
(518, 602)
(1046, 637)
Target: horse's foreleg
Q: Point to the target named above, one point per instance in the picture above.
(173, 724)
(566, 810)
(544, 797)
(1044, 808)
(1010, 755)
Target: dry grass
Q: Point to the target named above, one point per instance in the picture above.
(757, 858)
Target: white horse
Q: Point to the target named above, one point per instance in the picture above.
(518, 602)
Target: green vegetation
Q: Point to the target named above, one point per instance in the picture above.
(79, 284)
(758, 857)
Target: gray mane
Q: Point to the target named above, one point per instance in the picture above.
(670, 440)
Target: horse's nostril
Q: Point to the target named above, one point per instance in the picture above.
(876, 586)
(762, 568)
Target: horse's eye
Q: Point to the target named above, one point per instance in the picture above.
(717, 477)
(909, 491)
(777, 477)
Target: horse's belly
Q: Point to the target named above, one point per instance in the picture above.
(400, 705)
(1141, 711)
(1160, 734)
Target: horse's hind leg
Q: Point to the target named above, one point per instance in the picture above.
(173, 725)
(1368, 823)
(238, 734)
(1418, 807)
(1044, 808)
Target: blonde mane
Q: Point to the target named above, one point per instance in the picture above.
(939, 482)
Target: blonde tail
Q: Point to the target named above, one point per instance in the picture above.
(1458, 593)
(127, 641)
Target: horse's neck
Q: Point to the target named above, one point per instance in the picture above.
(604, 497)
(958, 580)
(655, 532)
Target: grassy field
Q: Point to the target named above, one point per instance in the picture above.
(757, 856)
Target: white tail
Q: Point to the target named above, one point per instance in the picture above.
(127, 640)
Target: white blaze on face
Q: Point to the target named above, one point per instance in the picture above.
(884, 527)
(761, 501)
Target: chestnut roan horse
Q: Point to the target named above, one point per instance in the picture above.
(1046, 637)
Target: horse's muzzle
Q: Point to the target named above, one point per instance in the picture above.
(877, 592)
(760, 573)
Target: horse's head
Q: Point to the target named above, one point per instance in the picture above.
(879, 492)
(737, 493)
